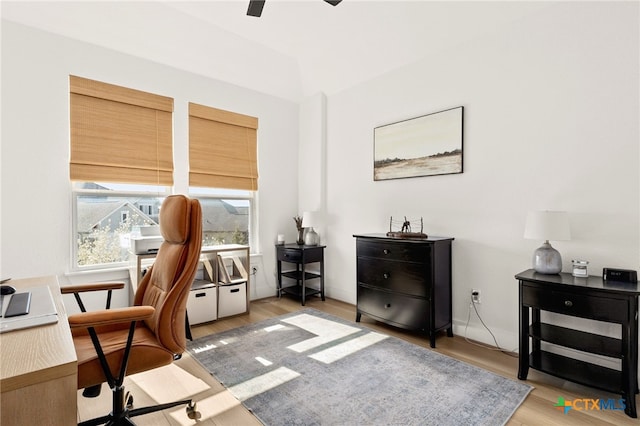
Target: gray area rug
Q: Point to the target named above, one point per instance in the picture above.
(310, 368)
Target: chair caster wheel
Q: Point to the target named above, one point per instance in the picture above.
(192, 413)
(92, 392)
(128, 400)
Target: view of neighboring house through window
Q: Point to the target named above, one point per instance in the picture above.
(226, 216)
(107, 216)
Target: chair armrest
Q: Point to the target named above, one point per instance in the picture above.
(110, 316)
(81, 288)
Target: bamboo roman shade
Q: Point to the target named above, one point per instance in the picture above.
(120, 134)
(222, 149)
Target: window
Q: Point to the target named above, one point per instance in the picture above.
(106, 217)
(223, 173)
(146, 208)
(118, 135)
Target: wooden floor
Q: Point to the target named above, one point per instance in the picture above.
(218, 407)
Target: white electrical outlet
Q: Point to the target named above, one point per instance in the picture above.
(475, 295)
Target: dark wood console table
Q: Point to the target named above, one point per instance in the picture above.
(591, 298)
(405, 282)
(301, 255)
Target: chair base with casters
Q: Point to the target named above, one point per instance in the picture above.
(122, 411)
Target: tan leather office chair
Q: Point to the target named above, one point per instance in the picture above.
(113, 343)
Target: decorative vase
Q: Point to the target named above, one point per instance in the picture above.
(311, 237)
(300, 239)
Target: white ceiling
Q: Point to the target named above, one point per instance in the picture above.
(295, 49)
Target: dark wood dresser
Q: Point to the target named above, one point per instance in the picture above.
(592, 298)
(405, 282)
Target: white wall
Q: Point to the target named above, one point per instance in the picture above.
(551, 122)
(36, 193)
(312, 157)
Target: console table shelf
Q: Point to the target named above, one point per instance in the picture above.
(297, 275)
(591, 298)
(577, 371)
(574, 339)
(296, 290)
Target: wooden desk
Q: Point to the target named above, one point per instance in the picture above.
(38, 368)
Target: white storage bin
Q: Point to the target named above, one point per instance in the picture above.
(202, 303)
(232, 299)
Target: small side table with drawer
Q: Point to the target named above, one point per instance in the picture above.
(301, 256)
(591, 298)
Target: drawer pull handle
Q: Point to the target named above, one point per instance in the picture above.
(386, 276)
(201, 294)
(568, 303)
(234, 290)
(387, 306)
(385, 251)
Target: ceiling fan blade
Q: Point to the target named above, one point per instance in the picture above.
(255, 8)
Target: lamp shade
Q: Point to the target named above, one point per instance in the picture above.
(547, 225)
(309, 219)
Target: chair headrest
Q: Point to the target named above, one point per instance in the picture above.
(175, 215)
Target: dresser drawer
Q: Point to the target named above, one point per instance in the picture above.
(593, 307)
(401, 277)
(403, 311)
(406, 252)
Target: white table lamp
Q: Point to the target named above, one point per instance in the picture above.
(547, 225)
(309, 220)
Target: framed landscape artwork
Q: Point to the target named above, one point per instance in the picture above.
(422, 146)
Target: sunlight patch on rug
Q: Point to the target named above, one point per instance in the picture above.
(342, 350)
(204, 348)
(263, 361)
(263, 383)
(325, 330)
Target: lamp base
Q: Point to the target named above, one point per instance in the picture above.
(311, 237)
(547, 260)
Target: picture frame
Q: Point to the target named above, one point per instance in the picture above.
(423, 146)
